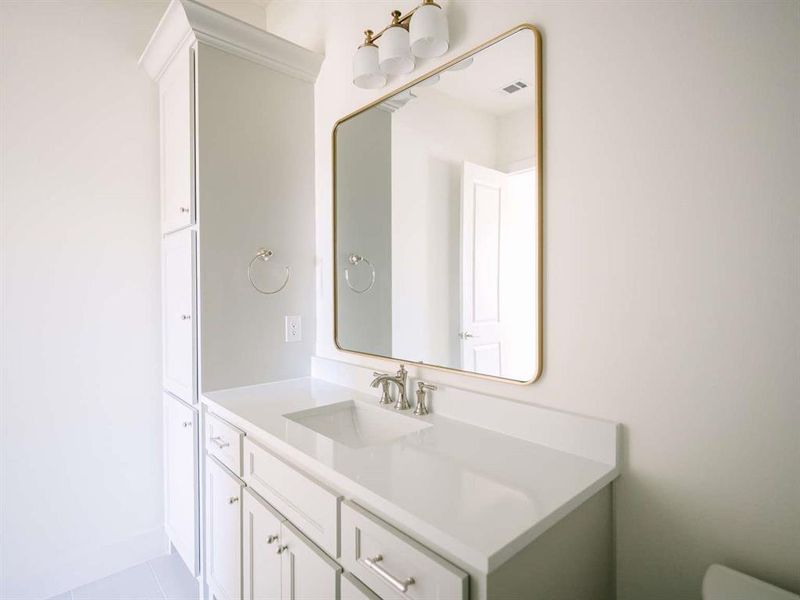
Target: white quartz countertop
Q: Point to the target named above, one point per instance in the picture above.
(478, 495)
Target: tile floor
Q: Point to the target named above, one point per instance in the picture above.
(163, 578)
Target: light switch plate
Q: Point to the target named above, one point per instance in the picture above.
(294, 328)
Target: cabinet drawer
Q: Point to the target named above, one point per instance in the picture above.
(312, 507)
(394, 565)
(224, 442)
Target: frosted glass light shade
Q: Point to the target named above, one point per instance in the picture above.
(366, 73)
(394, 54)
(428, 35)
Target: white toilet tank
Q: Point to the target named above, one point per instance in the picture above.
(722, 583)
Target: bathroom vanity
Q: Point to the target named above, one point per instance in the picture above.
(313, 487)
(330, 486)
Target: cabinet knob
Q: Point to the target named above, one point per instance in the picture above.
(233, 499)
(272, 539)
(282, 549)
(184, 209)
(185, 317)
(187, 423)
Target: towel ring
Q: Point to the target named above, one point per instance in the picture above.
(265, 255)
(355, 259)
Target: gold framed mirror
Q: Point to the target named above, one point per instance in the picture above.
(437, 217)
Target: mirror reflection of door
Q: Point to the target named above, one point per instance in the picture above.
(497, 251)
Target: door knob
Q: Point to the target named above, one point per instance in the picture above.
(282, 549)
(187, 423)
(233, 500)
(465, 335)
(272, 539)
(185, 317)
(184, 209)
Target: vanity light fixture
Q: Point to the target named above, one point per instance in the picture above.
(425, 36)
(366, 73)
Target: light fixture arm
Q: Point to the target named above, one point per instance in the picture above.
(399, 19)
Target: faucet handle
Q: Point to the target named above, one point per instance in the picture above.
(422, 405)
(401, 372)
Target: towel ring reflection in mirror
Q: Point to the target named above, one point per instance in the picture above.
(265, 255)
(354, 260)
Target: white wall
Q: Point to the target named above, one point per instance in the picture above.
(671, 264)
(255, 151)
(81, 440)
(81, 491)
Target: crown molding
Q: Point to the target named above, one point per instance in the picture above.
(187, 20)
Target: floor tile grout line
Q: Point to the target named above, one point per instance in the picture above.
(158, 581)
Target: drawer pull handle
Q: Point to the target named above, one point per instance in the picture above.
(233, 500)
(185, 317)
(184, 209)
(401, 585)
(282, 549)
(187, 423)
(219, 442)
(272, 539)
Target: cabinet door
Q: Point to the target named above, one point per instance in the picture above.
(178, 296)
(176, 99)
(261, 530)
(353, 589)
(180, 485)
(223, 532)
(307, 573)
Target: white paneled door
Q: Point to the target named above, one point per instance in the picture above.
(180, 494)
(223, 532)
(482, 192)
(178, 297)
(176, 99)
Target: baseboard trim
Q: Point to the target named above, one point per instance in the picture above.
(85, 567)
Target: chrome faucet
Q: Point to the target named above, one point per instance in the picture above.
(400, 380)
(383, 379)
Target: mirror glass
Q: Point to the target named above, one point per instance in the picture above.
(437, 217)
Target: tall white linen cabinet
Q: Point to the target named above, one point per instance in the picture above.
(236, 111)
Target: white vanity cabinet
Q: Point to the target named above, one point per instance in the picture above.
(223, 532)
(180, 479)
(179, 330)
(279, 562)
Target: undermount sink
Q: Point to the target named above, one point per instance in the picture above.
(357, 425)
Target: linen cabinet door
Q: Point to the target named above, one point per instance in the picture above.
(176, 100)
(223, 532)
(178, 297)
(180, 465)
(261, 563)
(307, 572)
